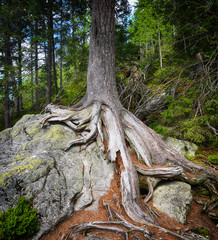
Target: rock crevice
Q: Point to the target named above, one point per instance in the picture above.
(33, 164)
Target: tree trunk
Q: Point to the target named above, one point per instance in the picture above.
(216, 37)
(54, 65)
(184, 41)
(7, 66)
(61, 48)
(53, 53)
(49, 57)
(36, 78)
(159, 44)
(100, 113)
(73, 7)
(6, 105)
(49, 74)
(152, 44)
(61, 64)
(20, 102)
(101, 84)
(31, 74)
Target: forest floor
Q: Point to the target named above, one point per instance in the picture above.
(197, 219)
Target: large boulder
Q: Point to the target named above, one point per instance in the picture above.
(184, 147)
(33, 164)
(173, 198)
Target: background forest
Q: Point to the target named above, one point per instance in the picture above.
(166, 61)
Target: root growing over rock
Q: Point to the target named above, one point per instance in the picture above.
(121, 129)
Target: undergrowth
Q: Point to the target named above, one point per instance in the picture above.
(19, 222)
(178, 120)
(204, 157)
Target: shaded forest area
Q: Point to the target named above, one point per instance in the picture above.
(166, 61)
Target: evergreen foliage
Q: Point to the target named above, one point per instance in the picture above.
(165, 50)
(213, 159)
(18, 222)
(187, 79)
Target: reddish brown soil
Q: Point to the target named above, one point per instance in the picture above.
(196, 219)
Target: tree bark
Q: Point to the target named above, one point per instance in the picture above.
(20, 102)
(216, 37)
(54, 65)
(31, 73)
(152, 44)
(53, 54)
(159, 44)
(100, 113)
(61, 47)
(101, 84)
(49, 56)
(7, 66)
(36, 78)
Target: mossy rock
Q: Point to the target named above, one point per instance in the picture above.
(34, 165)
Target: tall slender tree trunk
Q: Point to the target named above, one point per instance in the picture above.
(31, 74)
(15, 93)
(6, 104)
(20, 101)
(73, 4)
(49, 74)
(159, 44)
(184, 41)
(142, 55)
(7, 66)
(61, 47)
(53, 51)
(216, 37)
(61, 58)
(152, 44)
(49, 56)
(54, 65)
(36, 72)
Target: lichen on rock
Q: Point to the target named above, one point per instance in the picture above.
(33, 164)
(184, 147)
(173, 198)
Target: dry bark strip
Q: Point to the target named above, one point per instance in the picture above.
(101, 107)
(122, 127)
(121, 226)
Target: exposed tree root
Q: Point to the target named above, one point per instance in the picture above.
(119, 226)
(121, 127)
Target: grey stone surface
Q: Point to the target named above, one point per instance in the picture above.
(33, 164)
(183, 147)
(173, 198)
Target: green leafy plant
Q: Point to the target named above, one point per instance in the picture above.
(191, 158)
(19, 222)
(202, 231)
(213, 159)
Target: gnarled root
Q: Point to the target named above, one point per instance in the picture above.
(118, 225)
(120, 127)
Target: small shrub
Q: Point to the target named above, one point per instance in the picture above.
(18, 222)
(213, 159)
(161, 129)
(191, 158)
(202, 231)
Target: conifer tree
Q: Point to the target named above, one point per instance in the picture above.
(101, 107)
